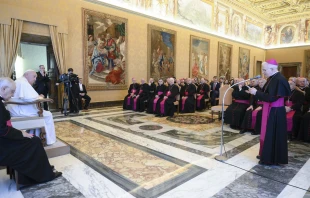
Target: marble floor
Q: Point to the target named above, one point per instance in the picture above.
(125, 154)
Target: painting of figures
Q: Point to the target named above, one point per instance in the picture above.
(287, 35)
(236, 25)
(244, 63)
(104, 39)
(199, 57)
(161, 52)
(202, 12)
(307, 35)
(224, 60)
(253, 33)
(222, 19)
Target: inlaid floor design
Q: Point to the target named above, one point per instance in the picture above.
(116, 154)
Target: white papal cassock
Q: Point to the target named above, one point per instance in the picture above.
(26, 92)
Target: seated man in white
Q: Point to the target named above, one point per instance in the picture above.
(25, 92)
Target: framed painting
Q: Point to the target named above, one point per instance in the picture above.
(244, 63)
(224, 58)
(199, 57)
(105, 51)
(161, 52)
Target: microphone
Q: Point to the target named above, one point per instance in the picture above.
(256, 77)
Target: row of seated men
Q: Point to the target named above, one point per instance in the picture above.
(160, 99)
(245, 112)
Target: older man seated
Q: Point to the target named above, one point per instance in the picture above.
(26, 92)
(20, 150)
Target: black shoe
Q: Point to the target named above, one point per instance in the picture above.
(254, 133)
(242, 131)
(57, 174)
(158, 115)
(257, 157)
(52, 167)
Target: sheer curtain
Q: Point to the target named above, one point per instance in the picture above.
(9, 44)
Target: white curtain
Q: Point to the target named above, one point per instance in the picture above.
(9, 44)
(59, 42)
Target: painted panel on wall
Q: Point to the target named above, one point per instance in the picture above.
(287, 34)
(195, 12)
(253, 33)
(199, 57)
(224, 59)
(105, 49)
(244, 63)
(161, 52)
(307, 32)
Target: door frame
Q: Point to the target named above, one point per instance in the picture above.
(292, 64)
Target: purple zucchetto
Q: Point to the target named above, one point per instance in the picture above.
(272, 62)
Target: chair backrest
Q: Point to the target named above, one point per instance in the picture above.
(228, 98)
(177, 97)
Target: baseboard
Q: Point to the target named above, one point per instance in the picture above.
(105, 104)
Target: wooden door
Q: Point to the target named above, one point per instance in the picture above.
(289, 71)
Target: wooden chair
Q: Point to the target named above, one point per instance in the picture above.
(227, 102)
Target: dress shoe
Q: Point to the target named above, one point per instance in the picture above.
(52, 167)
(258, 157)
(254, 133)
(242, 131)
(57, 174)
(158, 115)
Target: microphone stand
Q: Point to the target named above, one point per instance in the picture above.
(221, 157)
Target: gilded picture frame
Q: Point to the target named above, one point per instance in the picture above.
(224, 60)
(199, 57)
(104, 51)
(244, 63)
(161, 52)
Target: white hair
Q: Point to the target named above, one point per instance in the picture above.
(6, 82)
(28, 71)
(270, 65)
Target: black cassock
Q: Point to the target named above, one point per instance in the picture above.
(248, 123)
(154, 104)
(151, 96)
(235, 112)
(26, 156)
(182, 90)
(297, 99)
(137, 103)
(189, 102)
(274, 148)
(203, 90)
(306, 104)
(169, 103)
(133, 88)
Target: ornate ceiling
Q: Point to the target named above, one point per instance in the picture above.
(274, 11)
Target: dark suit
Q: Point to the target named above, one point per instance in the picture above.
(42, 86)
(86, 97)
(215, 92)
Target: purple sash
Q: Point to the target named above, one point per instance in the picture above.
(162, 103)
(242, 101)
(129, 97)
(289, 116)
(183, 100)
(266, 109)
(155, 101)
(198, 100)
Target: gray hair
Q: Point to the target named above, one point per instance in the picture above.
(28, 71)
(6, 82)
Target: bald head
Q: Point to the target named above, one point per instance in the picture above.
(302, 82)
(7, 88)
(31, 76)
(269, 69)
(170, 81)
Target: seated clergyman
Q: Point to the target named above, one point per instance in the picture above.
(26, 92)
(20, 150)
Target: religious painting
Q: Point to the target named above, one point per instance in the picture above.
(196, 12)
(307, 63)
(224, 58)
(236, 25)
(287, 34)
(105, 51)
(244, 63)
(161, 52)
(307, 31)
(199, 57)
(222, 19)
(253, 33)
(270, 35)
